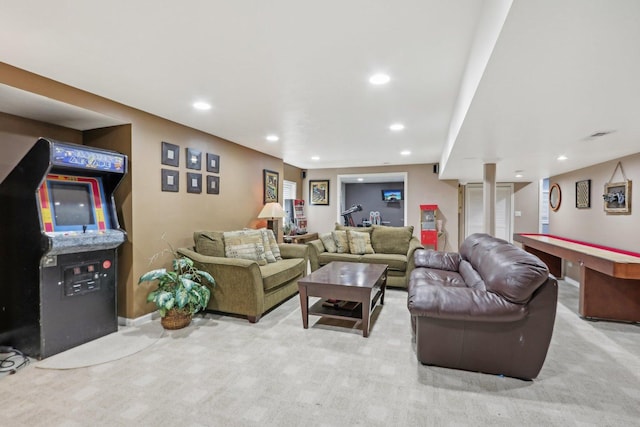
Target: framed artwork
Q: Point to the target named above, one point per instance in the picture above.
(319, 192)
(194, 159)
(213, 184)
(170, 180)
(583, 194)
(270, 186)
(617, 197)
(213, 163)
(194, 182)
(170, 154)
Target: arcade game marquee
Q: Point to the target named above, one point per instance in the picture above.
(59, 235)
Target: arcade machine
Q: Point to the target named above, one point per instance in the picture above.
(59, 234)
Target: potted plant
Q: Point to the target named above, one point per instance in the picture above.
(180, 293)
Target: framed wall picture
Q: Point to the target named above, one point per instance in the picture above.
(213, 184)
(270, 186)
(583, 194)
(170, 154)
(194, 182)
(194, 159)
(213, 163)
(617, 197)
(319, 192)
(170, 180)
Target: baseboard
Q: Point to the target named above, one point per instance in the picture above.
(125, 321)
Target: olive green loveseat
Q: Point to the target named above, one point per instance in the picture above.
(244, 286)
(393, 246)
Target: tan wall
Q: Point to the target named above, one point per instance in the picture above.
(594, 225)
(292, 173)
(423, 187)
(156, 214)
(526, 201)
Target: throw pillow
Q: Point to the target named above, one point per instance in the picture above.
(328, 242)
(391, 240)
(359, 243)
(245, 244)
(341, 240)
(275, 249)
(268, 253)
(209, 243)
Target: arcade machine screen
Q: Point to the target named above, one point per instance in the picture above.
(72, 203)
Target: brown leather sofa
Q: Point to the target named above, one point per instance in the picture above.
(489, 308)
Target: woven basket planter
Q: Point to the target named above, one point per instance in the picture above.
(175, 319)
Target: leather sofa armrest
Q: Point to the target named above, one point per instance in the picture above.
(316, 247)
(437, 259)
(455, 303)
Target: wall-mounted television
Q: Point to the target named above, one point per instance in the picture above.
(392, 195)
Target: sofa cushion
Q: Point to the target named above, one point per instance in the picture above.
(326, 257)
(268, 253)
(342, 241)
(328, 242)
(349, 228)
(391, 240)
(210, 243)
(394, 261)
(433, 277)
(245, 244)
(359, 243)
(470, 276)
(281, 272)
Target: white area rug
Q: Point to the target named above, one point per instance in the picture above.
(125, 342)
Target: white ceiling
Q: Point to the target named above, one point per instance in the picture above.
(469, 85)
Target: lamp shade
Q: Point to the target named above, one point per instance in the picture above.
(271, 210)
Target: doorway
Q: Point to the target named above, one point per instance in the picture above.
(474, 211)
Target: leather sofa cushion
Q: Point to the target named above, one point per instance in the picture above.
(470, 276)
(435, 277)
(210, 243)
(506, 269)
(394, 261)
(391, 240)
(281, 272)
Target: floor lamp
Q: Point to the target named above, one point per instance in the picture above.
(272, 212)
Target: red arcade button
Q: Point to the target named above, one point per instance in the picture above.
(106, 264)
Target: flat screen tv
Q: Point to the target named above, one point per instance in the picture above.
(392, 195)
(72, 203)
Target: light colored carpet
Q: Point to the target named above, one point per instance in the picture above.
(123, 343)
(224, 371)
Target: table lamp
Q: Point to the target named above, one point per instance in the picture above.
(272, 212)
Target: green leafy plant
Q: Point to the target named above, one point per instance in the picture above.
(181, 288)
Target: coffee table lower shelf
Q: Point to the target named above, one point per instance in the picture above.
(319, 309)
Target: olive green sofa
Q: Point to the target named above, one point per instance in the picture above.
(393, 246)
(243, 286)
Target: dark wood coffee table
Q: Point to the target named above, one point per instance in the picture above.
(344, 281)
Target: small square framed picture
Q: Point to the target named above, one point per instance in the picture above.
(213, 163)
(170, 154)
(170, 180)
(194, 182)
(194, 159)
(213, 184)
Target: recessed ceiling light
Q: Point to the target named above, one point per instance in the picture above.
(379, 79)
(562, 157)
(405, 152)
(315, 158)
(396, 126)
(201, 105)
(519, 175)
(272, 138)
(360, 179)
